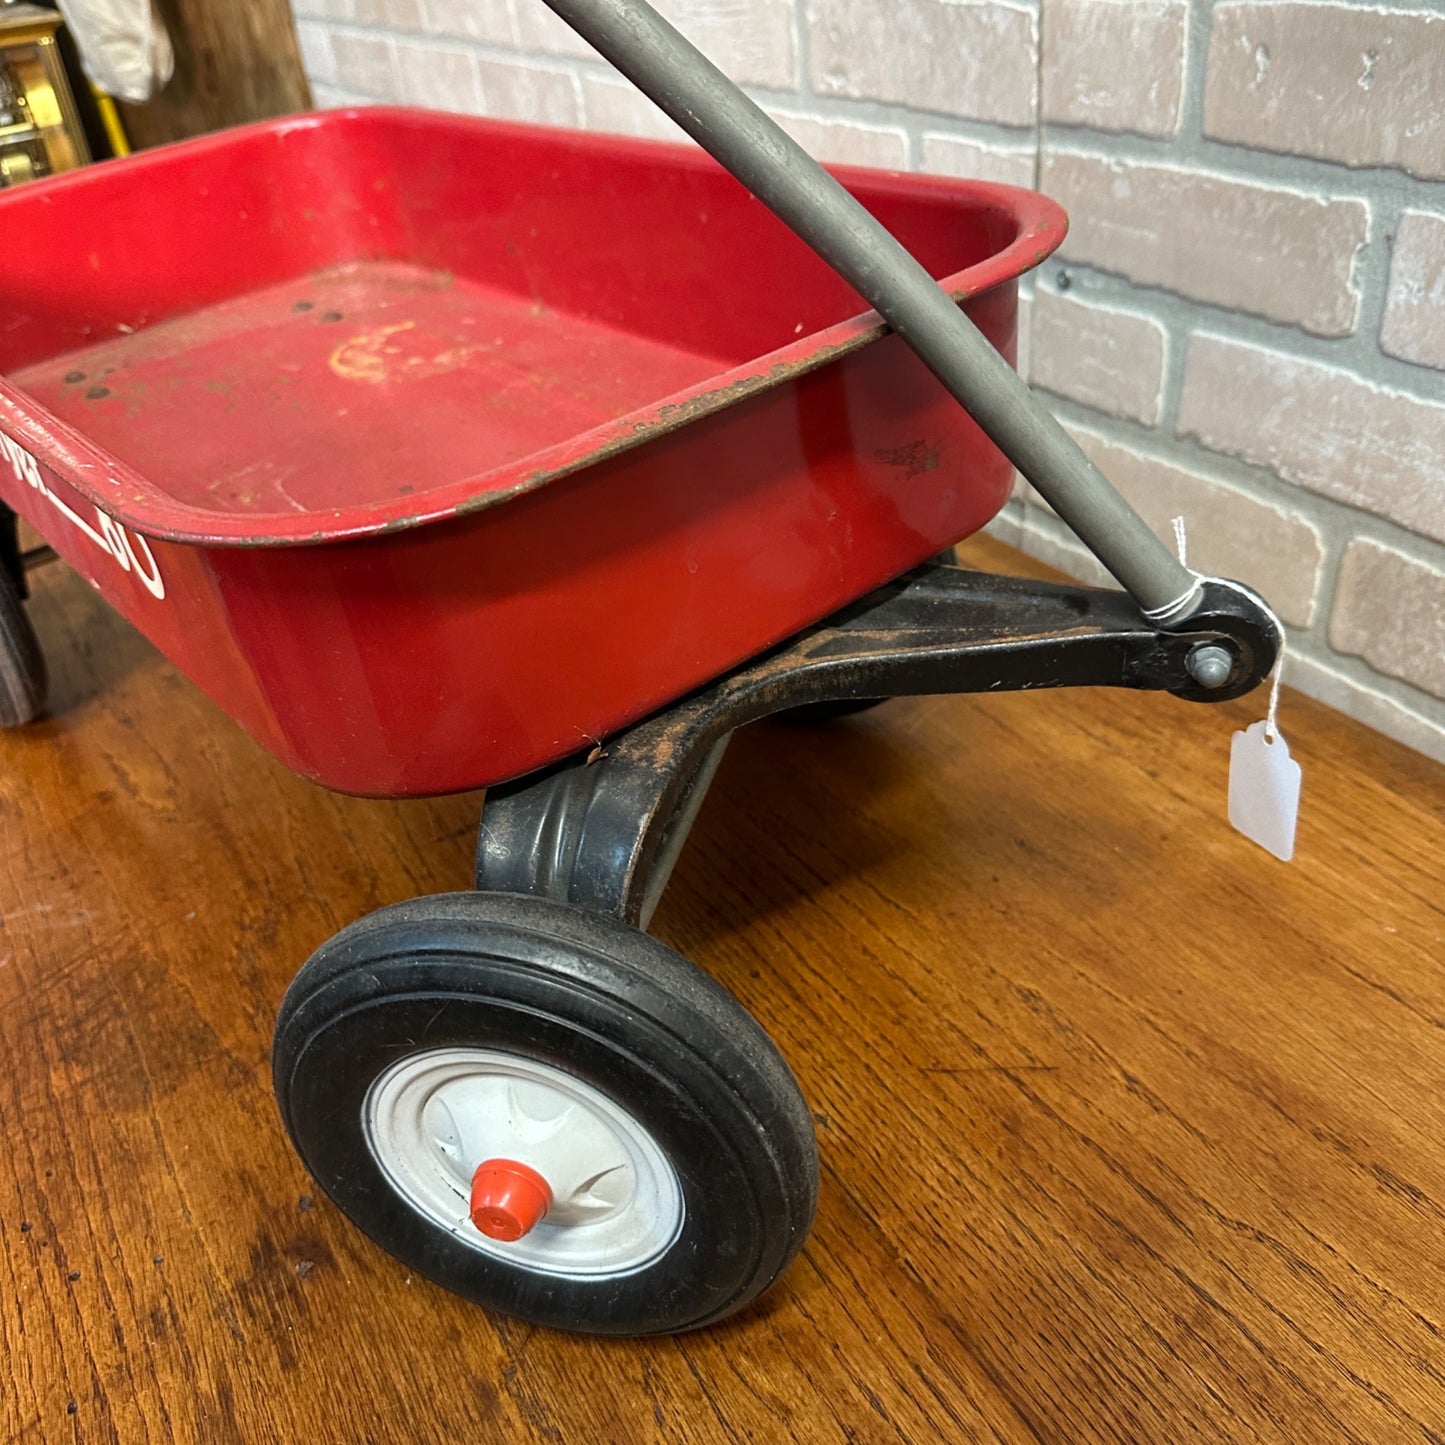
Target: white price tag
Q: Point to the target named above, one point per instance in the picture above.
(1264, 784)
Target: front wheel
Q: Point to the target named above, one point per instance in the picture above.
(547, 1112)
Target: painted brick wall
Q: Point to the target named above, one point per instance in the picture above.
(1247, 323)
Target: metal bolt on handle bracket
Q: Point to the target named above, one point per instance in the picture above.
(1211, 665)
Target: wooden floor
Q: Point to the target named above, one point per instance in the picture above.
(1129, 1133)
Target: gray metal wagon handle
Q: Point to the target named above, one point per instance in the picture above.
(710, 108)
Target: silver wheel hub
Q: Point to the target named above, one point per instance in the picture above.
(432, 1118)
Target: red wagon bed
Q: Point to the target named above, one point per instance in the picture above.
(272, 407)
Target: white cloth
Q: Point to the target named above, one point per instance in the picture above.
(123, 45)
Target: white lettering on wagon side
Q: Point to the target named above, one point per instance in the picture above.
(129, 550)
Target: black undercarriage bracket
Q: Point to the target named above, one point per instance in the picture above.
(603, 829)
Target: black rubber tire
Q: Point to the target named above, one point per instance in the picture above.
(22, 664)
(607, 1004)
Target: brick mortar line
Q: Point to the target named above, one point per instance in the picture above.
(1319, 632)
(896, 117)
(1038, 128)
(1281, 170)
(979, 132)
(866, 111)
(1370, 272)
(1307, 644)
(1158, 451)
(1336, 524)
(1357, 354)
(1370, 7)
(1171, 384)
(1197, 23)
(1336, 521)
(802, 50)
(1122, 303)
(912, 126)
(484, 49)
(1257, 484)
(579, 92)
(876, 115)
(1198, 31)
(873, 115)
(917, 125)
(1426, 723)
(1369, 280)
(1298, 173)
(810, 108)
(351, 96)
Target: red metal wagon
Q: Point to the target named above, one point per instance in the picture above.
(444, 453)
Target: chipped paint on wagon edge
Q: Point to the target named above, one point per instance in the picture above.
(779, 368)
(670, 416)
(148, 509)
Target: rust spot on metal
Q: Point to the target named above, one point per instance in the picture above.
(74, 376)
(97, 393)
(913, 460)
(396, 524)
(672, 417)
(302, 305)
(680, 413)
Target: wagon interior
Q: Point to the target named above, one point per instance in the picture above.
(332, 316)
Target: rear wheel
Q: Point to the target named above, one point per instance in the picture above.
(547, 1112)
(22, 665)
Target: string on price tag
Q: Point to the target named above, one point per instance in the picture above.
(1264, 780)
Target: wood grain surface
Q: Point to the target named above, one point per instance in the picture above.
(236, 60)
(1129, 1133)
